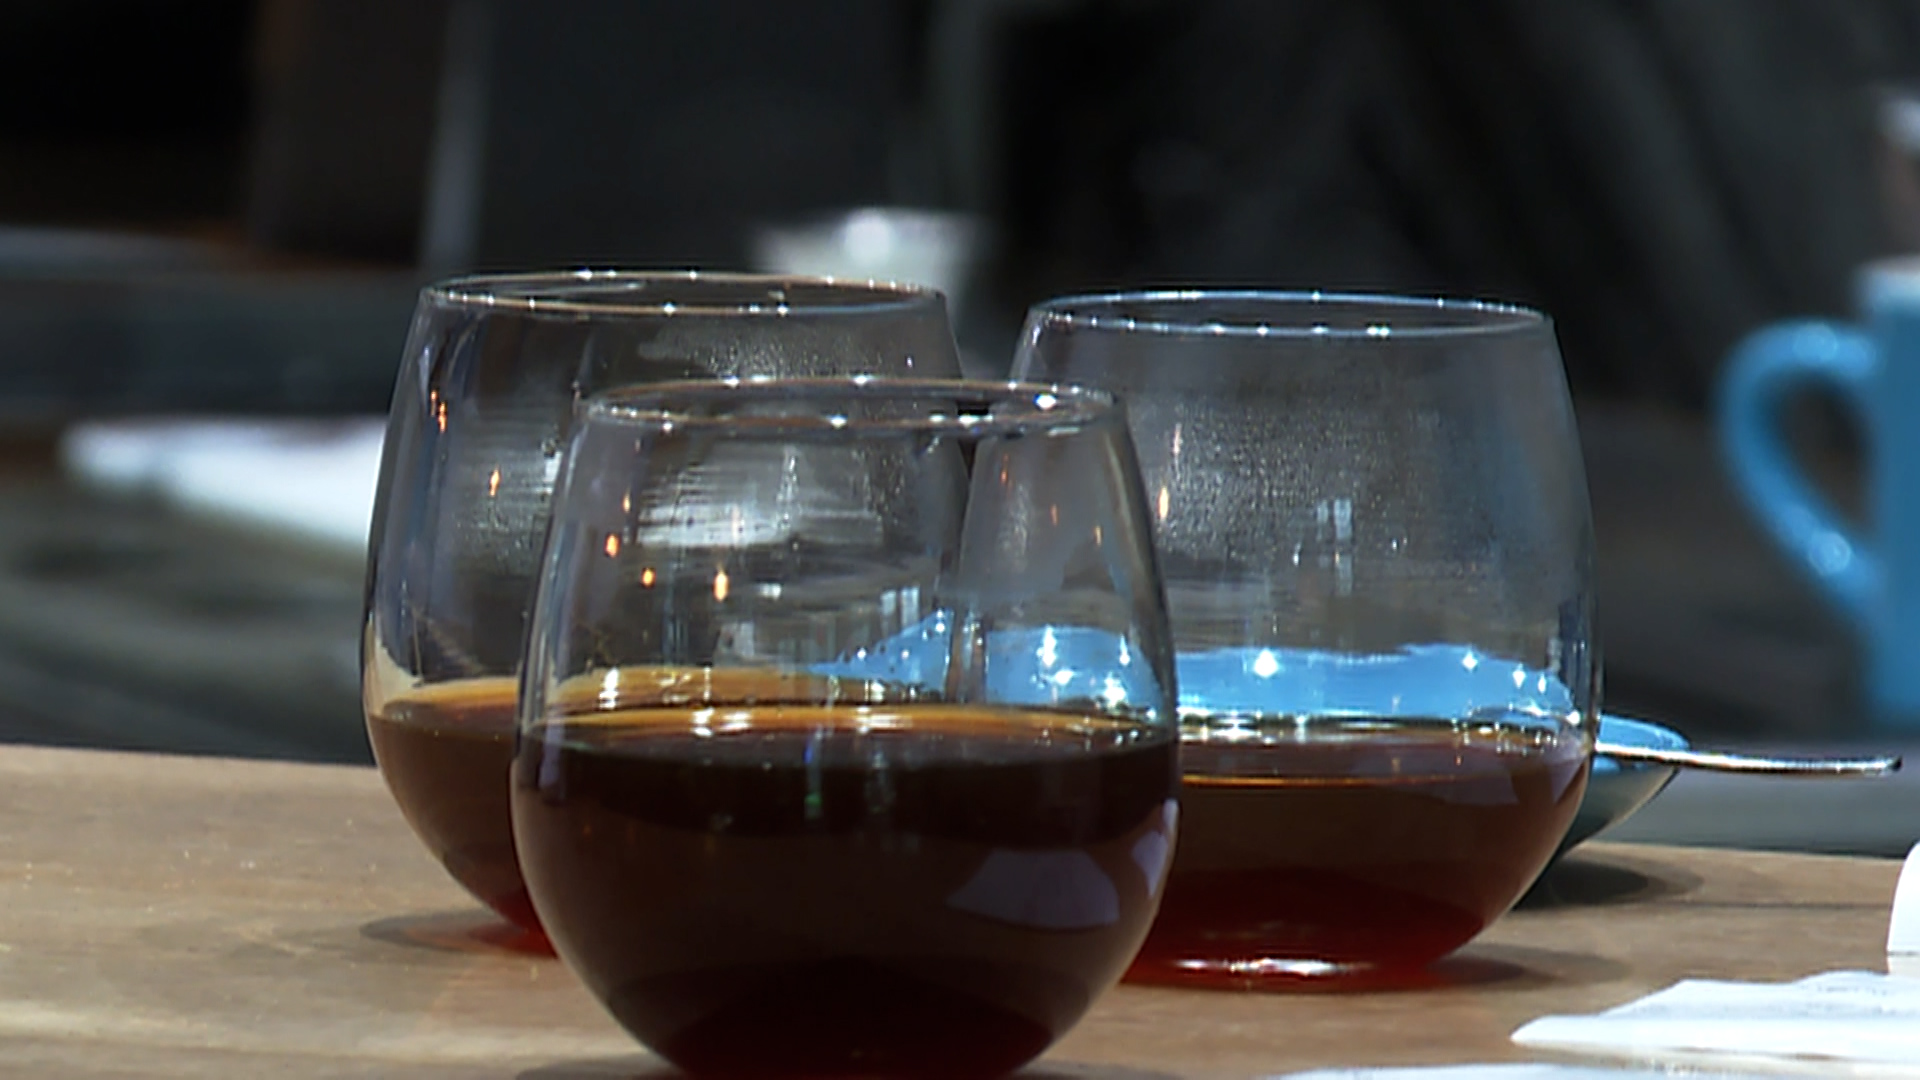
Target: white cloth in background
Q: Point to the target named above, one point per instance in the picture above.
(308, 479)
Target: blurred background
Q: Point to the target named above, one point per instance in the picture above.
(214, 215)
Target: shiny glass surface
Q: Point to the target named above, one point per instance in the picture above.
(847, 733)
(493, 370)
(1372, 521)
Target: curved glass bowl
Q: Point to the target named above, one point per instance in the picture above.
(492, 374)
(761, 867)
(1372, 522)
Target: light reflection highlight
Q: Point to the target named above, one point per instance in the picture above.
(1263, 968)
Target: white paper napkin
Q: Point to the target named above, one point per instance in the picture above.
(1903, 929)
(1502, 1071)
(1855, 1022)
(1839, 1023)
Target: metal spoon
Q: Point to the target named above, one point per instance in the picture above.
(1720, 761)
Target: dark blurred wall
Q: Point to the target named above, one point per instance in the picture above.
(346, 92)
(1662, 175)
(660, 132)
(123, 111)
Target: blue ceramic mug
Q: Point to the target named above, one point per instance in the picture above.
(1873, 579)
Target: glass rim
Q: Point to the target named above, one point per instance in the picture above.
(982, 408)
(570, 293)
(1104, 311)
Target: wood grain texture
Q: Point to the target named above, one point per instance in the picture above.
(173, 917)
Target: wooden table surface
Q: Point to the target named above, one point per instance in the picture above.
(166, 916)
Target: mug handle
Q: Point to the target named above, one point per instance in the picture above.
(1764, 373)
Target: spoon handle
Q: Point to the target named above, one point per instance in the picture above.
(1717, 761)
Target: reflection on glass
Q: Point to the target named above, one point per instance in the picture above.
(1373, 526)
(866, 776)
(493, 371)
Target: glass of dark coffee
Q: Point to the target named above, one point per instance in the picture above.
(1372, 522)
(492, 372)
(847, 733)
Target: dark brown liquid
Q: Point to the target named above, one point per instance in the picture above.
(1355, 854)
(832, 891)
(446, 749)
(445, 753)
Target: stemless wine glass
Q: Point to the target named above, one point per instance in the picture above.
(848, 742)
(1373, 527)
(492, 372)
